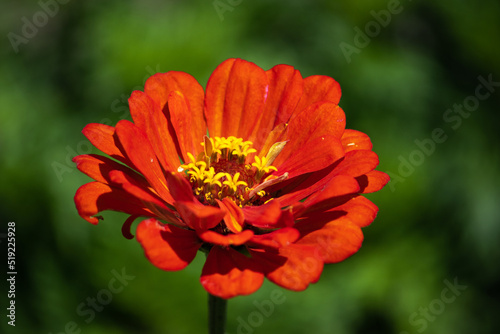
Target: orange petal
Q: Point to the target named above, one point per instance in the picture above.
(233, 239)
(167, 247)
(199, 217)
(161, 85)
(285, 89)
(360, 211)
(234, 217)
(303, 266)
(372, 181)
(313, 155)
(146, 196)
(319, 88)
(102, 137)
(235, 96)
(179, 187)
(327, 197)
(268, 215)
(189, 135)
(140, 152)
(148, 116)
(355, 210)
(276, 239)
(99, 167)
(228, 273)
(355, 140)
(95, 197)
(318, 120)
(336, 241)
(356, 163)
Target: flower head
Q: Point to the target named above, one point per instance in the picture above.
(258, 171)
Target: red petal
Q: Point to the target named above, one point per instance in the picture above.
(199, 217)
(189, 130)
(102, 137)
(276, 239)
(146, 196)
(372, 181)
(268, 215)
(319, 88)
(179, 187)
(357, 163)
(226, 240)
(228, 273)
(360, 211)
(355, 140)
(285, 89)
(94, 197)
(167, 247)
(302, 266)
(235, 96)
(319, 120)
(148, 117)
(325, 199)
(314, 155)
(140, 152)
(234, 218)
(99, 167)
(355, 210)
(196, 215)
(337, 240)
(160, 85)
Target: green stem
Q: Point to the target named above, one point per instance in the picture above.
(217, 308)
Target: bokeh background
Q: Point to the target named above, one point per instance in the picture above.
(438, 224)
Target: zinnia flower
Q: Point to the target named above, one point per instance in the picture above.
(258, 171)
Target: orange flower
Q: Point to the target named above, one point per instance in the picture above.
(258, 171)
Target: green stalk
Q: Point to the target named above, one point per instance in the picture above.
(217, 314)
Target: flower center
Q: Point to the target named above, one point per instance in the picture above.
(221, 171)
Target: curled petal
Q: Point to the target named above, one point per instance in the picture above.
(95, 197)
(167, 247)
(126, 227)
(228, 273)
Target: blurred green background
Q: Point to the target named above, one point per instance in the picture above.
(401, 66)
